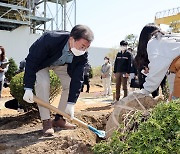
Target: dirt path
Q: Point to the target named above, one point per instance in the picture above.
(21, 133)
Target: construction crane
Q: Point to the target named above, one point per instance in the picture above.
(169, 17)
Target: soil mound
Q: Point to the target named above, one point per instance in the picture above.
(22, 134)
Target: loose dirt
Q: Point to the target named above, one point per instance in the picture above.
(20, 133)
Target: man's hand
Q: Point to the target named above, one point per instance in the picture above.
(28, 96)
(70, 110)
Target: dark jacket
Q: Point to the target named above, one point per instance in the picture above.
(46, 50)
(87, 69)
(122, 62)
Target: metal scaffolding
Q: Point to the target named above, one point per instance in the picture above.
(15, 13)
(169, 17)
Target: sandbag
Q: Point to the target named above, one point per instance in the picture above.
(133, 101)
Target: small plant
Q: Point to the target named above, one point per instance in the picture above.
(160, 133)
(11, 69)
(17, 89)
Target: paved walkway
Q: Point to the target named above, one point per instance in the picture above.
(90, 100)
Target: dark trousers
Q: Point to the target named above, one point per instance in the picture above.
(86, 82)
(0, 88)
(121, 80)
(155, 93)
(163, 87)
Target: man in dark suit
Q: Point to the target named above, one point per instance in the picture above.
(122, 67)
(66, 54)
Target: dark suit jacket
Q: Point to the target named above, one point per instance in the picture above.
(122, 62)
(46, 50)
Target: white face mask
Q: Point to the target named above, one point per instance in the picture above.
(106, 61)
(77, 52)
(158, 35)
(123, 48)
(0, 51)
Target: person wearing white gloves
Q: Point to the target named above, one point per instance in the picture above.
(159, 51)
(66, 54)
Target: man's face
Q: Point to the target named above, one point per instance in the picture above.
(80, 44)
(123, 47)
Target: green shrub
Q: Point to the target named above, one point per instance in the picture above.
(17, 89)
(11, 69)
(159, 134)
(96, 71)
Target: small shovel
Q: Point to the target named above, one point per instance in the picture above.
(99, 133)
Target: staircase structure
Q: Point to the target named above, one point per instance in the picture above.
(22, 22)
(15, 13)
(169, 17)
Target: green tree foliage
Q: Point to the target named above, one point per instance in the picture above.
(175, 27)
(132, 40)
(112, 55)
(11, 69)
(17, 89)
(96, 71)
(159, 134)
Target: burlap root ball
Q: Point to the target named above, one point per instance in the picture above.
(124, 106)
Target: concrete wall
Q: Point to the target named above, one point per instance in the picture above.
(96, 55)
(17, 42)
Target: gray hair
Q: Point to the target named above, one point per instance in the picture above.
(82, 32)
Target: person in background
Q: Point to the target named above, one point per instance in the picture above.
(158, 52)
(133, 72)
(4, 63)
(66, 54)
(87, 70)
(122, 67)
(22, 66)
(106, 72)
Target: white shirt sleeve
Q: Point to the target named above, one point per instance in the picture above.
(160, 54)
(158, 68)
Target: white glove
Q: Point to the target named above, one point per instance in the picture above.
(142, 91)
(28, 96)
(70, 110)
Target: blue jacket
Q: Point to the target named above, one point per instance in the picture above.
(46, 50)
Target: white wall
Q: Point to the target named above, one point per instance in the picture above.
(17, 42)
(96, 55)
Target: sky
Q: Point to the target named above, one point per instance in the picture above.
(112, 20)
